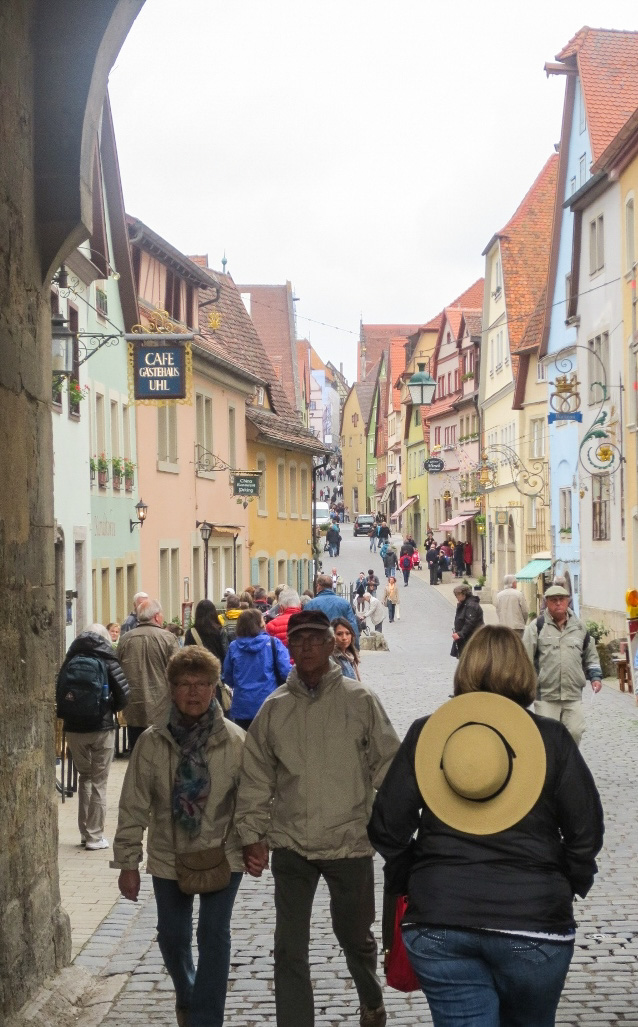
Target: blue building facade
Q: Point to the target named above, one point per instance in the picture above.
(563, 436)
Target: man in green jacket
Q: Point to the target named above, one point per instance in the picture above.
(565, 657)
(314, 755)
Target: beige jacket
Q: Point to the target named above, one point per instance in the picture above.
(311, 763)
(144, 653)
(511, 609)
(146, 801)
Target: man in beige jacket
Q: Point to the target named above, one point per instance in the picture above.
(144, 653)
(314, 754)
(511, 606)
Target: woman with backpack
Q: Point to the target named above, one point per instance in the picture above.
(405, 564)
(90, 689)
(256, 664)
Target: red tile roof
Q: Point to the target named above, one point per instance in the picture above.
(525, 248)
(377, 341)
(272, 313)
(440, 407)
(473, 321)
(396, 367)
(471, 298)
(607, 62)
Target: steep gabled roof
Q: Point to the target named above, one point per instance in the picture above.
(236, 340)
(376, 339)
(365, 391)
(272, 312)
(525, 244)
(396, 367)
(472, 321)
(471, 298)
(607, 64)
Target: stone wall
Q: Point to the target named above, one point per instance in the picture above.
(34, 931)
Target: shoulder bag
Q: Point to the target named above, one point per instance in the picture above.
(224, 693)
(202, 871)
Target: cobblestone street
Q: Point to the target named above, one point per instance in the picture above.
(413, 678)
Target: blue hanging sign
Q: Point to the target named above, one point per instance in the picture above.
(159, 372)
(574, 415)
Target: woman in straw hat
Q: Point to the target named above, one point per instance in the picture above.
(508, 823)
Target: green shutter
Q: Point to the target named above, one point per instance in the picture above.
(271, 574)
(300, 567)
(254, 572)
(289, 580)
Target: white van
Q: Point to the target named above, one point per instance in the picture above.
(322, 513)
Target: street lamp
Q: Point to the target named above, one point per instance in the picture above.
(205, 530)
(61, 347)
(421, 387)
(142, 510)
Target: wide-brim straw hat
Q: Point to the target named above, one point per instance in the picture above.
(480, 763)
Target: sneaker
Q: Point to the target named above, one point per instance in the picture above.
(372, 1017)
(102, 844)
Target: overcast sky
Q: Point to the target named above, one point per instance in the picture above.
(364, 150)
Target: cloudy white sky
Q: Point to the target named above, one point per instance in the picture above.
(364, 150)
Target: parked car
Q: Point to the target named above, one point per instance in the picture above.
(362, 524)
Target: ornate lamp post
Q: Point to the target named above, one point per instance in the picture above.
(205, 530)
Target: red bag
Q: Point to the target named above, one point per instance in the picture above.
(398, 968)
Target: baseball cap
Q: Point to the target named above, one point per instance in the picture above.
(556, 590)
(308, 620)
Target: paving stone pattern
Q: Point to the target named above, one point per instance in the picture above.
(413, 678)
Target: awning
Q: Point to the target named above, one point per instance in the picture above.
(454, 521)
(532, 569)
(387, 490)
(408, 502)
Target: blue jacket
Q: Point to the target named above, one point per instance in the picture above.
(334, 606)
(250, 672)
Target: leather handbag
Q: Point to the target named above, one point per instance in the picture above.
(398, 968)
(205, 870)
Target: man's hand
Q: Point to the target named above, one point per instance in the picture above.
(255, 858)
(129, 884)
(455, 636)
(596, 685)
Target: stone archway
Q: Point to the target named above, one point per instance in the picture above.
(56, 58)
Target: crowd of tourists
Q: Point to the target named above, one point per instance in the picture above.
(255, 744)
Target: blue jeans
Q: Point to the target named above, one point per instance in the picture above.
(484, 979)
(373, 544)
(202, 992)
(391, 611)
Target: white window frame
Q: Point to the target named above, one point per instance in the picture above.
(630, 233)
(600, 345)
(597, 244)
(262, 504)
(281, 489)
(536, 438)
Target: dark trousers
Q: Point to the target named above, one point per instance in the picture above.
(434, 574)
(406, 576)
(351, 886)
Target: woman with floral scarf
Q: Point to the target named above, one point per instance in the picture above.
(181, 783)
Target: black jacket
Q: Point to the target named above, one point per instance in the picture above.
(468, 617)
(216, 642)
(523, 878)
(89, 644)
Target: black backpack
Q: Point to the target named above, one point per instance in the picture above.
(82, 694)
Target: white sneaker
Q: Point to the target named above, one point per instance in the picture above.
(102, 844)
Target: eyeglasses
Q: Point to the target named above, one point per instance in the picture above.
(198, 686)
(307, 643)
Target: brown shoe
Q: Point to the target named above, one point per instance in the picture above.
(372, 1017)
(181, 1012)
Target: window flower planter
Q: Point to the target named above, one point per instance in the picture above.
(102, 479)
(117, 482)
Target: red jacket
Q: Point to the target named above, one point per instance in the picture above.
(278, 626)
(467, 552)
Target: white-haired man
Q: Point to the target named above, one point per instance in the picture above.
(144, 653)
(511, 606)
(131, 620)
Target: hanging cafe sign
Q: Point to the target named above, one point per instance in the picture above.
(160, 363)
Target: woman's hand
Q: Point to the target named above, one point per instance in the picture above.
(255, 858)
(129, 884)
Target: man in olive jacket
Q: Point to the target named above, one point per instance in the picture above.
(314, 755)
(565, 657)
(144, 653)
